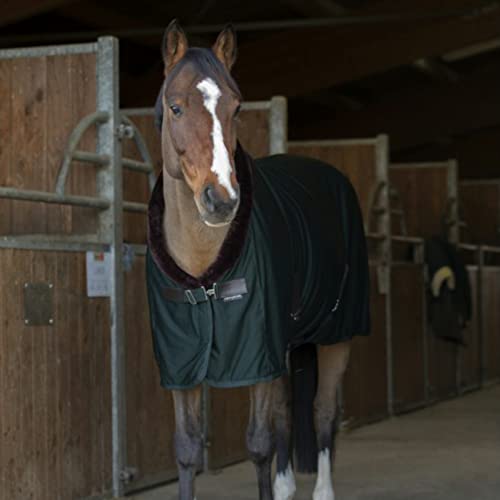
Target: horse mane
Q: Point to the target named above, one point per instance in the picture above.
(207, 64)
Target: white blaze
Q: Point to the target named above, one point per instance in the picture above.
(324, 489)
(284, 485)
(221, 165)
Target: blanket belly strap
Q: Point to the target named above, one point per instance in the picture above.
(229, 290)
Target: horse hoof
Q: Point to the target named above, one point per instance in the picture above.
(284, 485)
(324, 494)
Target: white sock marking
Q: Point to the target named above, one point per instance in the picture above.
(324, 488)
(221, 165)
(284, 485)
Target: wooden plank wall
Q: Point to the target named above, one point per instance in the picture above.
(423, 191)
(480, 202)
(365, 387)
(150, 412)
(55, 417)
(408, 336)
(43, 99)
(356, 161)
(365, 383)
(490, 300)
(470, 356)
(254, 131)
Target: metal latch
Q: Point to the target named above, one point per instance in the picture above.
(128, 474)
(124, 131)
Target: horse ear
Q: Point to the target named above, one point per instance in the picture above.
(174, 45)
(225, 47)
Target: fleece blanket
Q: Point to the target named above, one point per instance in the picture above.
(297, 243)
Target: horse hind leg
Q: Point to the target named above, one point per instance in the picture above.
(188, 439)
(332, 362)
(284, 483)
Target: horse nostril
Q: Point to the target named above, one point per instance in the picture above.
(209, 198)
(215, 204)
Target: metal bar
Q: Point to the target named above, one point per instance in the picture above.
(382, 174)
(132, 206)
(469, 182)
(98, 117)
(139, 249)
(278, 125)
(86, 157)
(110, 186)
(51, 243)
(143, 150)
(407, 239)
(50, 50)
(376, 236)
(452, 181)
(480, 319)
(438, 164)
(137, 166)
(137, 111)
(256, 105)
(490, 248)
(44, 197)
(336, 142)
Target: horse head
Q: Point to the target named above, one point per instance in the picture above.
(198, 106)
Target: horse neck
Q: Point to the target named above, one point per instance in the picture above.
(192, 244)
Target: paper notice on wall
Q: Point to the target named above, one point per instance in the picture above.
(98, 274)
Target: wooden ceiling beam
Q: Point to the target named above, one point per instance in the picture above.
(316, 8)
(13, 11)
(436, 69)
(306, 61)
(415, 117)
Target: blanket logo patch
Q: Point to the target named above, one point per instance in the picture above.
(232, 298)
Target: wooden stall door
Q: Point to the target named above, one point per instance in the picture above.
(364, 162)
(43, 99)
(470, 354)
(423, 192)
(55, 410)
(480, 206)
(408, 336)
(365, 382)
(150, 412)
(442, 367)
(491, 323)
(358, 161)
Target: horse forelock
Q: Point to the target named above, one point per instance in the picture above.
(207, 65)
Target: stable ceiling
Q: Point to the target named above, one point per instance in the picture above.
(424, 71)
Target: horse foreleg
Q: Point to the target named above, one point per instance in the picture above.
(332, 362)
(284, 482)
(260, 439)
(188, 439)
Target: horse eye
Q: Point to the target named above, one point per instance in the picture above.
(176, 110)
(237, 110)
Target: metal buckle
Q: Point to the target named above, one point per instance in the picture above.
(211, 292)
(190, 296)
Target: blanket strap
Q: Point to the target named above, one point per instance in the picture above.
(227, 291)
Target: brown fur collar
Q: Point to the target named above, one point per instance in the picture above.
(232, 245)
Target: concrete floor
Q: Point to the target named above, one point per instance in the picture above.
(450, 451)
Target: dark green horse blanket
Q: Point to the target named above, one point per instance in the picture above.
(298, 243)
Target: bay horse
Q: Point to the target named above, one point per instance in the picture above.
(257, 276)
